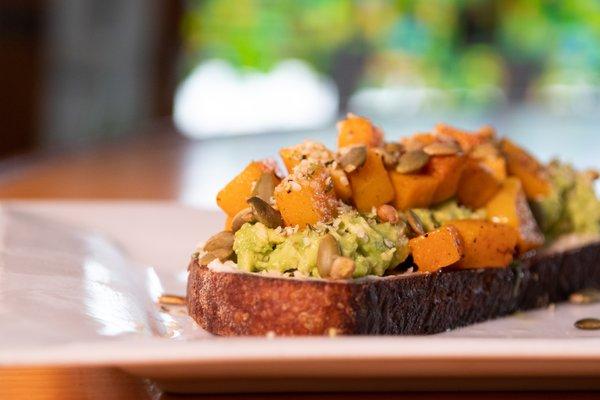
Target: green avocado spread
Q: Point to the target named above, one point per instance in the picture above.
(572, 206)
(374, 246)
(433, 218)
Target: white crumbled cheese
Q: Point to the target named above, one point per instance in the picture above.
(218, 266)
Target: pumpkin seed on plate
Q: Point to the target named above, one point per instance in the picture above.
(222, 240)
(328, 251)
(442, 149)
(588, 324)
(264, 213)
(415, 222)
(412, 161)
(353, 157)
(242, 217)
(265, 186)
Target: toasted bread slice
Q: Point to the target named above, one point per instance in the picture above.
(238, 303)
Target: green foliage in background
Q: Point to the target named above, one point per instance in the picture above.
(447, 44)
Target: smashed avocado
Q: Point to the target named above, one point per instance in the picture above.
(433, 218)
(572, 206)
(375, 247)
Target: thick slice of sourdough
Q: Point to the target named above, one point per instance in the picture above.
(235, 303)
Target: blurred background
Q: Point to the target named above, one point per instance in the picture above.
(183, 93)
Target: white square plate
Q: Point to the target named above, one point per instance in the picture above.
(79, 280)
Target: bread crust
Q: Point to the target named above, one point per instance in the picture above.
(232, 303)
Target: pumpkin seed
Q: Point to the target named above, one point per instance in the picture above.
(222, 240)
(220, 254)
(327, 253)
(342, 268)
(415, 222)
(412, 161)
(265, 186)
(588, 324)
(441, 149)
(484, 150)
(585, 296)
(242, 217)
(172, 300)
(206, 258)
(354, 157)
(264, 213)
(391, 154)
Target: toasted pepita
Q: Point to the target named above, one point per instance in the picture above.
(265, 186)
(442, 149)
(264, 213)
(353, 157)
(244, 216)
(328, 251)
(588, 324)
(415, 222)
(412, 161)
(222, 240)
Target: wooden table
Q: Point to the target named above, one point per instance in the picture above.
(143, 167)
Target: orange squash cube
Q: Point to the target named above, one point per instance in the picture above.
(437, 249)
(371, 185)
(486, 244)
(232, 198)
(306, 196)
(510, 206)
(447, 170)
(528, 169)
(315, 151)
(413, 190)
(477, 185)
(358, 130)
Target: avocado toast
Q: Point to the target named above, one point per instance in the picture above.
(436, 231)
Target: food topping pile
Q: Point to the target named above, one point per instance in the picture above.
(441, 199)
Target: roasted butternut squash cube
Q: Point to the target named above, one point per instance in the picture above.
(528, 169)
(307, 150)
(447, 170)
(371, 185)
(466, 139)
(486, 244)
(232, 198)
(306, 196)
(413, 190)
(314, 151)
(358, 130)
(437, 249)
(228, 223)
(477, 185)
(510, 206)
